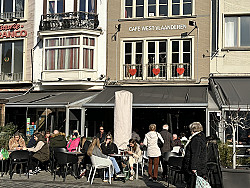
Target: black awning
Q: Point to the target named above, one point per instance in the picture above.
(48, 99)
(231, 91)
(154, 96)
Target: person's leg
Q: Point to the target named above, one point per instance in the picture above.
(116, 166)
(150, 163)
(156, 165)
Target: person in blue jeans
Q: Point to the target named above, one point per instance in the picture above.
(95, 149)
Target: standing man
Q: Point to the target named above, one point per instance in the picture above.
(101, 135)
(167, 146)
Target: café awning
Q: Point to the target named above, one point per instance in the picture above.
(231, 91)
(192, 96)
(49, 99)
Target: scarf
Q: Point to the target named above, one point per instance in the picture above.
(189, 140)
(71, 142)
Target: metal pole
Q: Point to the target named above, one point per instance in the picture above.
(67, 122)
(46, 122)
(83, 121)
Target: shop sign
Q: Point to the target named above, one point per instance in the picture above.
(157, 28)
(12, 31)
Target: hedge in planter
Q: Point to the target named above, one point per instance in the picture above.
(6, 132)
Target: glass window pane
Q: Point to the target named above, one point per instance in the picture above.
(85, 41)
(59, 6)
(186, 46)
(151, 1)
(139, 2)
(162, 47)
(176, 1)
(7, 5)
(71, 41)
(128, 12)
(152, 10)
(139, 47)
(51, 42)
(138, 58)
(19, 5)
(139, 11)
(128, 2)
(186, 57)
(128, 59)
(151, 47)
(162, 58)
(187, 1)
(18, 57)
(51, 7)
(92, 42)
(231, 31)
(187, 8)
(91, 5)
(163, 1)
(163, 10)
(175, 46)
(176, 9)
(128, 48)
(245, 31)
(6, 57)
(151, 58)
(175, 57)
(83, 5)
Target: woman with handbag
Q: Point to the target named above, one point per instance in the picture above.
(195, 159)
(151, 140)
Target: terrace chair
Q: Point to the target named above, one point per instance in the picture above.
(175, 164)
(100, 163)
(20, 157)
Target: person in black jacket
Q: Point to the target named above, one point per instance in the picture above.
(195, 159)
(108, 147)
(101, 135)
(58, 140)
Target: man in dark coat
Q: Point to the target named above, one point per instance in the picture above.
(195, 159)
(167, 146)
(57, 140)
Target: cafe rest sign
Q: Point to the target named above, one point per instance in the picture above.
(156, 28)
(12, 31)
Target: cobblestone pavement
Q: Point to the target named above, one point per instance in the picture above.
(44, 179)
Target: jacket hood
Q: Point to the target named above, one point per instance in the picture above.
(59, 134)
(152, 134)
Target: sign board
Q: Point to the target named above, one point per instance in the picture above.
(12, 31)
(157, 28)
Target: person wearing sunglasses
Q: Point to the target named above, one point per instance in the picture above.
(101, 135)
(108, 147)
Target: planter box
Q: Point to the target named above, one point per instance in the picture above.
(234, 178)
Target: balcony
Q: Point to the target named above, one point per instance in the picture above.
(11, 76)
(69, 20)
(162, 71)
(11, 15)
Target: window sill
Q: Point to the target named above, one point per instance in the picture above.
(156, 18)
(236, 49)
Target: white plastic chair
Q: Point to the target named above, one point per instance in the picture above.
(100, 163)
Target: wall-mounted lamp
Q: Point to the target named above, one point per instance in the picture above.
(118, 29)
(191, 23)
(89, 79)
(101, 76)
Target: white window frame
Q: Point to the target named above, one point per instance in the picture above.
(169, 53)
(81, 46)
(146, 14)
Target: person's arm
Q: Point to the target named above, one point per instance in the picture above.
(22, 143)
(145, 142)
(39, 146)
(195, 152)
(115, 148)
(11, 147)
(159, 135)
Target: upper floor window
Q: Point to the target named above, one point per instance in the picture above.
(55, 6)
(87, 6)
(152, 8)
(69, 53)
(12, 9)
(237, 31)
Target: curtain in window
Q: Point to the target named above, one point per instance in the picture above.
(230, 31)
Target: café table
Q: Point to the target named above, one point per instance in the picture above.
(73, 156)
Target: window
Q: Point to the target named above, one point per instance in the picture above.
(87, 6)
(152, 8)
(65, 53)
(55, 6)
(237, 30)
(11, 60)
(160, 62)
(12, 9)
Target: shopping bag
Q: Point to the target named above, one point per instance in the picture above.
(5, 154)
(201, 182)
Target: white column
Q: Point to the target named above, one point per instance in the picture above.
(83, 122)
(67, 122)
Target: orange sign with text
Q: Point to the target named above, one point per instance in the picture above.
(12, 31)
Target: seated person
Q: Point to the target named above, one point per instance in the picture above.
(95, 149)
(47, 136)
(176, 140)
(85, 158)
(108, 147)
(135, 152)
(57, 140)
(16, 142)
(41, 152)
(73, 143)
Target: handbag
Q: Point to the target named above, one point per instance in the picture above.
(201, 182)
(159, 142)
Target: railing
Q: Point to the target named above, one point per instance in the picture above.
(161, 71)
(11, 15)
(11, 76)
(69, 20)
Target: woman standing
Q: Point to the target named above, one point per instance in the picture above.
(153, 151)
(135, 153)
(195, 158)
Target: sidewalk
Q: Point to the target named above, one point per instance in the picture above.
(44, 179)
